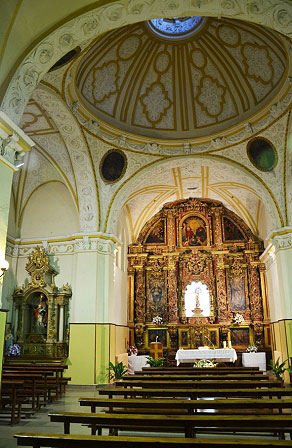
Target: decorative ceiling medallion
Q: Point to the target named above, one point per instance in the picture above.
(113, 166)
(188, 89)
(177, 27)
(262, 154)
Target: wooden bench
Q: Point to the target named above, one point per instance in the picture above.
(197, 371)
(188, 424)
(203, 384)
(194, 393)
(33, 386)
(209, 377)
(84, 441)
(190, 406)
(203, 369)
(10, 395)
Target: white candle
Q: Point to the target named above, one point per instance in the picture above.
(224, 344)
(229, 344)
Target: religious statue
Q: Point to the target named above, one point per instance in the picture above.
(197, 311)
(40, 314)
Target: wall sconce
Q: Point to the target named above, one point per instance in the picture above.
(4, 266)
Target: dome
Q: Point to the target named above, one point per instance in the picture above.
(181, 86)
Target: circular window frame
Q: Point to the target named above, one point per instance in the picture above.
(251, 159)
(176, 37)
(123, 171)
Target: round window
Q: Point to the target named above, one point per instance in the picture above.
(113, 165)
(177, 27)
(262, 154)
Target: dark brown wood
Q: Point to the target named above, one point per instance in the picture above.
(204, 384)
(198, 371)
(204, 369)
(194, 393)
(260, 405)
(78, 441)
(209, 376)
(189, 424)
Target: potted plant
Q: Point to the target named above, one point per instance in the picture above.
(279, 369)
(155, 362)
(117, 370)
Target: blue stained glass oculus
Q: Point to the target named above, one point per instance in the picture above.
(177, 27)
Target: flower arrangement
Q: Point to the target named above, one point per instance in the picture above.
(133, 350)
(157, 320)
(14, 350)
(205, 363)
(252, 348)
(238, 318)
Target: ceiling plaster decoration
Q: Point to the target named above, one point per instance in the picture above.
(76, 144)
(141, 84)
(224, 172)
(273, 14)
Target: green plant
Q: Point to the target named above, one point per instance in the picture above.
(155, 362)
(279, 369)
(205, 363)
(117, 370)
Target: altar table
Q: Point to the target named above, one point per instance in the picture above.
(254, 360)
(220, 354)
(135, 363)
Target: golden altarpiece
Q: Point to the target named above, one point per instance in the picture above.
(42, 311)
(195, 278)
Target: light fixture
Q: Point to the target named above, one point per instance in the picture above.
(4, 267)
(18, 161)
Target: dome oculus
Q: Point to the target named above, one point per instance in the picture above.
(113, 166)
(177, 27)
(262, 154)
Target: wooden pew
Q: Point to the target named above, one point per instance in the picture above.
(198, 371)
(84, 441)
(190, 406)
(203, 384)
(193, 393)
(33, 386)
(10, 395)
(203, 369)
(188, 424)
(224, 377)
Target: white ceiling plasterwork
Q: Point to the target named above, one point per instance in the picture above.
(76, 144)
(166, 89)
(273, 14)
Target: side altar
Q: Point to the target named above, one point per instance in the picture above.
(41, 311)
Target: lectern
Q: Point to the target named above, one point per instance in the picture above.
(156, 350)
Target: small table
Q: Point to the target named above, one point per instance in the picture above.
(135, 363)
(255, 360)
(220, 354)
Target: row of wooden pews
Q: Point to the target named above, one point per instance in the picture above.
(263, 407)
(34, 385)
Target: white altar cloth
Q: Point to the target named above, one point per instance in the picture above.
(255, 360)
(220, 354)
(135, 363)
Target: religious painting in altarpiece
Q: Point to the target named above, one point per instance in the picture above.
(194, 267)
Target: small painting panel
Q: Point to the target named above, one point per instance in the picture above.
(213, 334)
(113, 165)
(237, 294)
(157, 335)
(183, 338)
(231, 231)
(194, 232)
(157, 233)
(240, 337)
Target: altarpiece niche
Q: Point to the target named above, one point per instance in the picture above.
(196, 266)
(41, 311)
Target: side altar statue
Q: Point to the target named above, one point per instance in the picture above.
(41, 316)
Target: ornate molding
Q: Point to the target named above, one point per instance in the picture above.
(102, 243)
(273, 14)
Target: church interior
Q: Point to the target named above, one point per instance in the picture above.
(146, 190)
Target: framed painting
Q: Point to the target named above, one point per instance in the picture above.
(213, 335)
(159, 333)
(157, 233)
(193, 232)
(231, 232)
(184, 340)
(237, 290)
(241, 337)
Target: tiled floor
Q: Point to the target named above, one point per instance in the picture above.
(40, 421)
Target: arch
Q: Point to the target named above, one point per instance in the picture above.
(274, 14)
(247, 177)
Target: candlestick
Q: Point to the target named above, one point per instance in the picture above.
(224, 344)
(229, 344)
